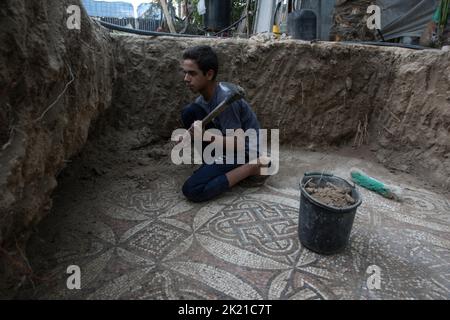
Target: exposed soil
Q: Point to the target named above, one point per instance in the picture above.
(331, 195)
(320, 95)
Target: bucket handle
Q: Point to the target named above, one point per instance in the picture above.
(308, 174)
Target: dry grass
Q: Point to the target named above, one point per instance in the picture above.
(362, 133)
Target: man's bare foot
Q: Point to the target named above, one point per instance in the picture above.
(257, 179)
(251, 169)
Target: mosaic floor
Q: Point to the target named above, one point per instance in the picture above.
(145, 241)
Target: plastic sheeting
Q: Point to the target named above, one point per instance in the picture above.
(201, 7)
(405, 18)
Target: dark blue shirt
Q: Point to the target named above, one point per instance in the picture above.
(238, 115)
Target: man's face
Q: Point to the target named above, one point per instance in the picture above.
(194, 78)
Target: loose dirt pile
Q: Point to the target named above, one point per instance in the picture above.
(331, 195)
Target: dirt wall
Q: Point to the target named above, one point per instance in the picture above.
(318, 95)
(53, 83)
(313, 93)
(412, 128)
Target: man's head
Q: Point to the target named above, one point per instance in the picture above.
(200, 65)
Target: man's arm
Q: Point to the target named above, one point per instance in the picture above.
(228, 142)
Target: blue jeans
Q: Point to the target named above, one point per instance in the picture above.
(208, 181)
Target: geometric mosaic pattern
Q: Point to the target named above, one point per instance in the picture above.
(150, 243)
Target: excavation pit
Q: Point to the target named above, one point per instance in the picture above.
(118, 211)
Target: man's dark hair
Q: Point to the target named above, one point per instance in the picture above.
(205, 57)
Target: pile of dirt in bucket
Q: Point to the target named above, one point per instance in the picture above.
(331, 195)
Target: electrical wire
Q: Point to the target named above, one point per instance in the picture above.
(149, 33)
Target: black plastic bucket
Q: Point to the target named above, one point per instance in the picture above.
(325, 229)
